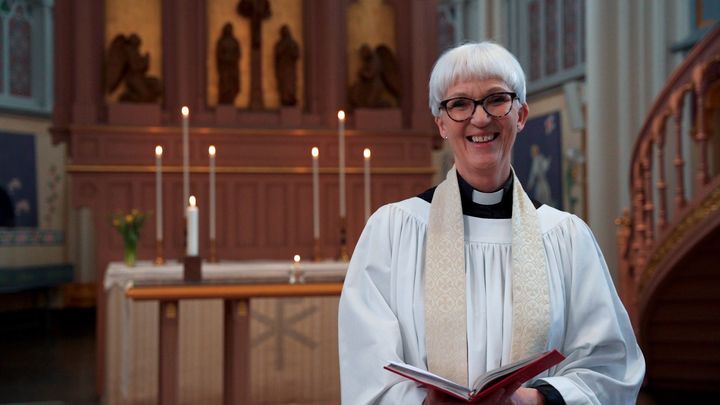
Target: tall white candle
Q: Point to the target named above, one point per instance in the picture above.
(192, 227)
(341, 154)
(366, 155)
(158, 194)
(211, 153)
(316, 192)
(186, 152)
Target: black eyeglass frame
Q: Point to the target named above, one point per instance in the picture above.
(480, 102)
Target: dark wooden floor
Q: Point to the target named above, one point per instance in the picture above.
(48, 356)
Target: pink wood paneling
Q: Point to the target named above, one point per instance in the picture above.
(256, 206)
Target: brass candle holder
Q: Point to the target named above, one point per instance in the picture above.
(343, 256)
(213, 252)
(159, 256)
(317, 251)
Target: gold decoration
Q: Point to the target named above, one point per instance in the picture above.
(679, 234)
(171, 310)
(159, 258)
(241, 309)
(343, 256)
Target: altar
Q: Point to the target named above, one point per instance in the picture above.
(293, 356)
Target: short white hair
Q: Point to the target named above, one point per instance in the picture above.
(474, 61)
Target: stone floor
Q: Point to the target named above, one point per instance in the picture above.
(48, 357)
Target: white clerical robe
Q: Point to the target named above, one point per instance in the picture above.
(381, 309)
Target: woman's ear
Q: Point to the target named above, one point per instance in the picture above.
(441, 126)
(523, 112)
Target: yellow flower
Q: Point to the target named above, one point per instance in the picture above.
(129, 219)
(116, 222)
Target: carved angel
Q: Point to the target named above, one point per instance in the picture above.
(125, 63)
(378, 81)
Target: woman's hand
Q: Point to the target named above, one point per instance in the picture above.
(514, 396)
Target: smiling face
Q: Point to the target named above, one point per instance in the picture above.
(482, 144)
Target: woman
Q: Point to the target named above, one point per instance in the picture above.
(472, 274)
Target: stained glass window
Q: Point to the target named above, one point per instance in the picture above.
(20, 61)
(548, 38)
(26, 55)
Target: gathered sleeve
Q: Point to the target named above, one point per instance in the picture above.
(370, 333)
(604, 364)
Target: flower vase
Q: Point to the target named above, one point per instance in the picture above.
(130, 251)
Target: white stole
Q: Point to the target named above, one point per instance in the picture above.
(445, 290)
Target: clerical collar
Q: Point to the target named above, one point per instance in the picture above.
(499, 210)
(481, 198)
(497, 204)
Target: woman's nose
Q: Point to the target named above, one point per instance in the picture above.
(480, 117)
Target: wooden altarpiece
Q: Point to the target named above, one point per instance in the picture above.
(264, 186)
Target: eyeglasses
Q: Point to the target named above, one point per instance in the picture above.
(496, 105)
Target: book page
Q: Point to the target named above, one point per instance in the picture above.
(426, 377)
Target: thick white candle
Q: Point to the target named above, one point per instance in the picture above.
(192, 227)
(158, 193)
(186, 152)
(366, 155)
(211, 154)
(341, 154)
(316, 192)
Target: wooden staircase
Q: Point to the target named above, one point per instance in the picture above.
(669, 239)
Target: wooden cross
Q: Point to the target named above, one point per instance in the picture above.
(256, 11)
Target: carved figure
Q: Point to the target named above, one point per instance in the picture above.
(227, 56)
(287, 53)
(256, 11)
(378, 83)
(126, 63)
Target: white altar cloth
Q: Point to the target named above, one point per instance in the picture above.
(294, 340)
(118, 274)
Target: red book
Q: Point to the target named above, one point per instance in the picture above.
(486, 384)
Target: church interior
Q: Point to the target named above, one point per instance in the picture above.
(235, 149)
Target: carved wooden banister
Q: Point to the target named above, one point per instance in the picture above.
(651, 230)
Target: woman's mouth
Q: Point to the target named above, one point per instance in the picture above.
(483, 138)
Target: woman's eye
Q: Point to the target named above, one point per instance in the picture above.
(498, 99)
(455, 104)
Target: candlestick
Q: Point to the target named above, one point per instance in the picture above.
(316, 191)
(341, 170)
(341, 155)
(159, 259)
(158, 193)
(316, 202)
(296, 275)
(192, 227)
(366, 155)
(186, 151)
(211, 155)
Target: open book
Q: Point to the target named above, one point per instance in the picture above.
(486, 384)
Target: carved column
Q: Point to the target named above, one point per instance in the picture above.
(183, 39)
(88, 57)
(63, 66)
(602, 137)
(329, 60)
(424, 52)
